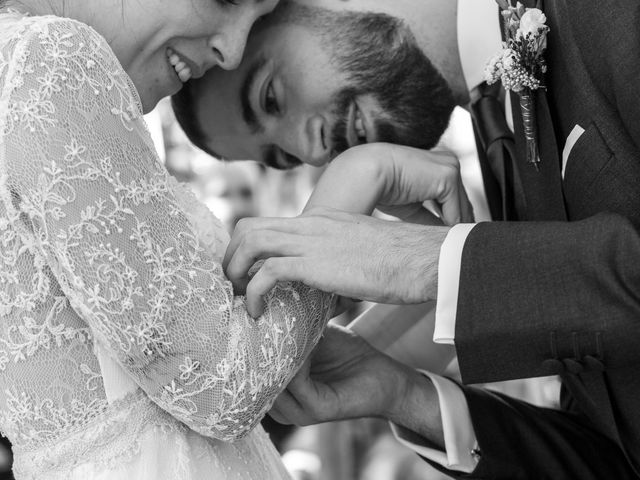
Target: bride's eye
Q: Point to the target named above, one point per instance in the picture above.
(271, 101)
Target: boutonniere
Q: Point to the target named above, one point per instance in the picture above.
(520, 64)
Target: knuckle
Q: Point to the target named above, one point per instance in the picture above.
(316, 414)
(242, 226)
(254, 291)
(452, 169)
(450, 174)
(270, 267)
(251, 241)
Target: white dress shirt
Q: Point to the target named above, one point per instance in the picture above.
(478, 40)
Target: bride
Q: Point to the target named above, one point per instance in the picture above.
(123, 351)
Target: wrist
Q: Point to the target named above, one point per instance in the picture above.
(364, 170)
(417, 407)
(369, 165)
(423, 256)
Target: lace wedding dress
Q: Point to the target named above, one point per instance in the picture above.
(123, 352)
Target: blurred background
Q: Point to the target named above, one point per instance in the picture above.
(361, 449)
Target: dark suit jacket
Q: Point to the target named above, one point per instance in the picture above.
(559, 293)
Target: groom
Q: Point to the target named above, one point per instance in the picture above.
(524, 299)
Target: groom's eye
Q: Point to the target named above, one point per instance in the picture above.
(270, 101)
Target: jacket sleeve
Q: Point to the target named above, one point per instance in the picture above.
(518, 441)
(533, 294)
(100, 211)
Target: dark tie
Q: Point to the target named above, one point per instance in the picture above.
(497, 154)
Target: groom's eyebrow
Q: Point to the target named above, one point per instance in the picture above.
(248, 113)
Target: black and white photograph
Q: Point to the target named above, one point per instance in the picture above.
(319, 239)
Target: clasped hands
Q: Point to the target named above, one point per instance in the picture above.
(335, 246)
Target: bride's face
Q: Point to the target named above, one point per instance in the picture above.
(163, 43)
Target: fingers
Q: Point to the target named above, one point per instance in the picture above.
(252, 233)
(258, 245)
(424, 217)
(274, 270)
(343, 304)
(427, 175)
(286, 410)
(466, 208)
(451, 206)
(415, 213)
(259, 239)
(460, 208)
(278, 416)
(255, 226)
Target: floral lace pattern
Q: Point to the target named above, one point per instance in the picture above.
(115, 443)
(99, 244)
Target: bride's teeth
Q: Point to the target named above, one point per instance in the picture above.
(185, 74)
(181, 68)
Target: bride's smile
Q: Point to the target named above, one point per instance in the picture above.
(163, 43)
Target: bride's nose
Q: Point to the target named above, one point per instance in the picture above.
(228, 46)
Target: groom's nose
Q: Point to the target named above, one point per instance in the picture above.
(306, 139)
(318, 139)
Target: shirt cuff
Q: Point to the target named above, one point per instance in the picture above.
(449, 266)
(461, 445)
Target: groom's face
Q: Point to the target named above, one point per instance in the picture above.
(307, 90)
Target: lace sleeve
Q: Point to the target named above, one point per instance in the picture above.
(80, 173)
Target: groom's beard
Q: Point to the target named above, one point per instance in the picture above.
(416, 100)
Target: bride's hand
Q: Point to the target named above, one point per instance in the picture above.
(395, 179)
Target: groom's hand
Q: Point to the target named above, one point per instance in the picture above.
(347, 378)
(350, 254)
(354, 256)
(344, 378)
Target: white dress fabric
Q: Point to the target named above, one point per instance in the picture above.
(123, 351)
